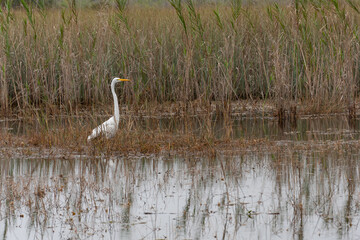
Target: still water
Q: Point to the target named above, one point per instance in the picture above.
(263, 194)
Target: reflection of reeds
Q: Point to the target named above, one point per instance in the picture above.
(286, 191)
(304, 52)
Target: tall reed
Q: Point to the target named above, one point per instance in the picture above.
(304, 51)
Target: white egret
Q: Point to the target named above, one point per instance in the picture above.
(109, 127)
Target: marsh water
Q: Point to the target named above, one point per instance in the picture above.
(304, 193)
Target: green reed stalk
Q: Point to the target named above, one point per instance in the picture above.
(5, 18)
(30, 17)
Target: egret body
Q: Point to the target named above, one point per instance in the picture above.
(109, 127)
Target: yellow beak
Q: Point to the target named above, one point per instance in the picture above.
(124, 80)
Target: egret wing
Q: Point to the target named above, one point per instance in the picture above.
(108, 128)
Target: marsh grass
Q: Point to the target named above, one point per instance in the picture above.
(206, 134)
(132, 137)
(303, 52)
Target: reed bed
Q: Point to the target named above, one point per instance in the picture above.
(303, 51)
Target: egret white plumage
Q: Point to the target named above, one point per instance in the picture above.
(109, 127)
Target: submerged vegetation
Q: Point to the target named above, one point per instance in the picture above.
(303, 51)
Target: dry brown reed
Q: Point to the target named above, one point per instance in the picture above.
(306, 51)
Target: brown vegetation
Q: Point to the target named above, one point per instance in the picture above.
(307, 51)
(170, 133)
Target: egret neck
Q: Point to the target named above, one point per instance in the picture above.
(116, 103)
